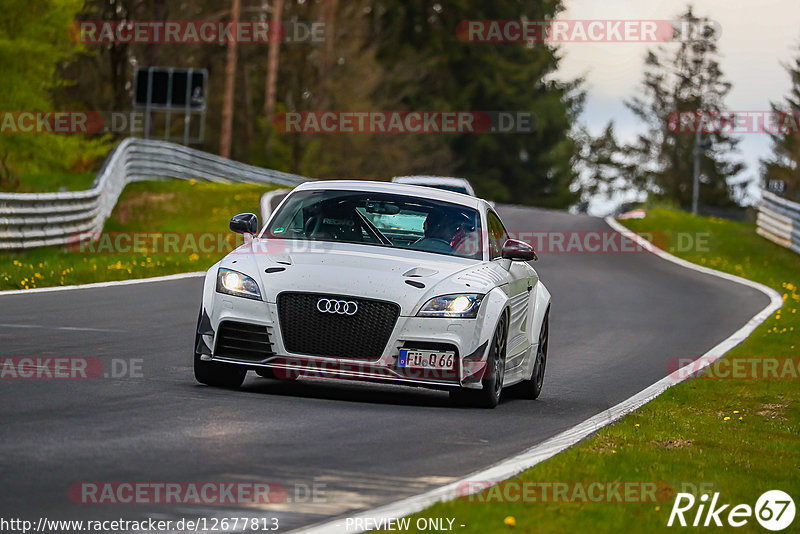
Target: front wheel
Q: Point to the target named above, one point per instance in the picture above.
(489, 395)
(218, 374)
(215, 373)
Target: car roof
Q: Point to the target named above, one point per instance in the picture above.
(396, 188)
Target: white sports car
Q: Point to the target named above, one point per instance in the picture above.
(377, 281)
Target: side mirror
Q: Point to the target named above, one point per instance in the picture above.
(518, 251)
(245, 223)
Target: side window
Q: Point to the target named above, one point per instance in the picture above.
(497, 235)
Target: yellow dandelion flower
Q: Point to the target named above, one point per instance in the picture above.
(613, 451)
(637, 424)
(510, 521)
(735, 411)
(727, 418)
(740, 418)
(658, 508)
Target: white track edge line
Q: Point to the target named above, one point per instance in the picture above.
(560, 442)
(114, 283)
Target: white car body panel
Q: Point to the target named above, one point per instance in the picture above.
(374, 272)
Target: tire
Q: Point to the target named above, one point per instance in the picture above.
(531, 389)
(489, 395)
(223, 375)
(215, 373)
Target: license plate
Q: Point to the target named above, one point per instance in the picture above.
(426, 359)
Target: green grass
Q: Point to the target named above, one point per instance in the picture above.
(683, 437)
(170, 207)
(49, 182)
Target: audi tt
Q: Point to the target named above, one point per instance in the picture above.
(382, 282)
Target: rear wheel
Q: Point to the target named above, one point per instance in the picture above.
(531, 389)
(492, 382)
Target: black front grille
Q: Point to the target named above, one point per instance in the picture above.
(243, 341)
(362, 336)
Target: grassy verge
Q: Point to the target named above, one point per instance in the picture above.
(48, 182)
(736, 437)
(186, 210)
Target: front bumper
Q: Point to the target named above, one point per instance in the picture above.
(463, 336)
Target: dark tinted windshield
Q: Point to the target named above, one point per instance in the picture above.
(380, 219)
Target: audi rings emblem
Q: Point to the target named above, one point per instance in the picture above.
(341, 307)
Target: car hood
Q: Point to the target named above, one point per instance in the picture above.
(358, 271)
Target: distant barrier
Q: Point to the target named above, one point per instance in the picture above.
(779, 220)
(29, 220)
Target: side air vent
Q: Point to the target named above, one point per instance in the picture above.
(243, 341)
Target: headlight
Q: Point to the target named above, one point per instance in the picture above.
(238, 284)
(463, 306)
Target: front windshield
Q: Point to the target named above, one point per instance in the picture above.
(379, 219)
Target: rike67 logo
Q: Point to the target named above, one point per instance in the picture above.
(774, 510)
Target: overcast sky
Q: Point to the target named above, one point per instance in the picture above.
(757, 38)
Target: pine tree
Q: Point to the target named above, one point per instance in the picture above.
(783, 165)
(604, 165)
(428, 67)
(690, 79)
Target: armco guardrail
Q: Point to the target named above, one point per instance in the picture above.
(29, 220)
(779, 220)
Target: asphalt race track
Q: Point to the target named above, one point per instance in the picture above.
(617, 319)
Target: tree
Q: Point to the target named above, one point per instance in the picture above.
(34, 42)
(230, 85)
(604, 165)
(428, 67)
(688, 80)
(783, 165)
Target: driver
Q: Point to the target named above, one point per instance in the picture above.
(439, 231)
